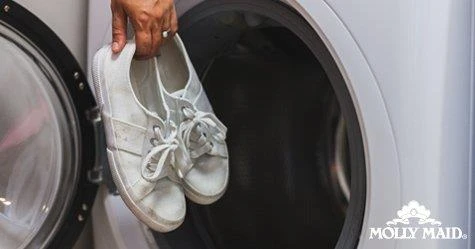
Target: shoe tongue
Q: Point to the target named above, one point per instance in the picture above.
(178, 94)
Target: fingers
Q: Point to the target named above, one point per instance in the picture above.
(149, 19)
(170, 22)
(119, 27)
(143, 42)
(142, 24)
(166, 21)
(162, 25)
(165, 28)
(173, 22)
(157, 39)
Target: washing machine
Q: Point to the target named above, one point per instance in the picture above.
(350, 122)
(49, 125)
(350, 125)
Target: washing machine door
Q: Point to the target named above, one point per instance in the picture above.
(47, 136)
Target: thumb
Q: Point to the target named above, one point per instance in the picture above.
(119, 28)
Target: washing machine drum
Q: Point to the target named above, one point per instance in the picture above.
(47, 141)
(293, 136)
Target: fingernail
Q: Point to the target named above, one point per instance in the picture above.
(115, 46)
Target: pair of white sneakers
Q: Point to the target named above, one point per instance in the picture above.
(163, 140)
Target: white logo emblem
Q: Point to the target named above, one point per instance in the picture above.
(414, 222)
(413, 210)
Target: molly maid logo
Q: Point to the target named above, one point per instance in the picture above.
(414, 222)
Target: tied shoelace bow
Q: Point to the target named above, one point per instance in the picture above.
(200, 131)
(165, 149)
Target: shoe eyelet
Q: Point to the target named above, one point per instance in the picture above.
(153, 141)
(156, 127)
(185, 109)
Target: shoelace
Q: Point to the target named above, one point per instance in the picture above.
(163, 149)
(199, 127)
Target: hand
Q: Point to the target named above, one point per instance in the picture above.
(149, 18)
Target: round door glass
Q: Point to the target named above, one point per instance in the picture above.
(38, 144)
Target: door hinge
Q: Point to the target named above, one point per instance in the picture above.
(100, 172)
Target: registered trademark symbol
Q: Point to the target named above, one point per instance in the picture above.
(464, 236)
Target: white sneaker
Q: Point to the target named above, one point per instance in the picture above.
(204, 180)
(142, 148)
